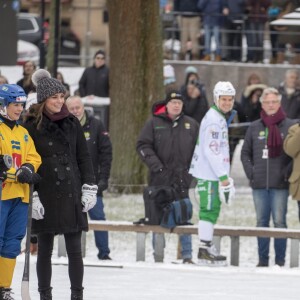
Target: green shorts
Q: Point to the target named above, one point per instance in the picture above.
(210, 204)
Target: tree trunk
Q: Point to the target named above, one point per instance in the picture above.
(136, 82)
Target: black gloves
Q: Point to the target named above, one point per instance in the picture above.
(25, 174)
(102, 185)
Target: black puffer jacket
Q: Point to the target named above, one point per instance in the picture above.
(94, 81)
(166, 147)
(66, 165)
(99, 146)
(265, 173)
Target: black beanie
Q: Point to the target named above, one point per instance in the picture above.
(173, 95)
(99, 52)
(45, 85)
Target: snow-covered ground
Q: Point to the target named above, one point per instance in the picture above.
(168, 281)
(149, 280)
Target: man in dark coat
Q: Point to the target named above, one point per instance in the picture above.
(166, 144)
(95, 79)
(100, 149)
(267, 168)
(290, 92)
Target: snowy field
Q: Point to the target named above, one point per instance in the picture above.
(147, 280)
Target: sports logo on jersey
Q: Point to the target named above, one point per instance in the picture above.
(26, 137)
(214, 147)
(2, 137)
(17, 160)
(15, 145)
(214, 135)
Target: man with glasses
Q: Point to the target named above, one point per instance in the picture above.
(166, 144)
(268, 168)
(95, 79)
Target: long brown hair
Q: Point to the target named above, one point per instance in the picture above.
(35, 111)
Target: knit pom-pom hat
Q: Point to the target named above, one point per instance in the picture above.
(45, 85)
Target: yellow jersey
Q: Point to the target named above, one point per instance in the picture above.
(19, 145)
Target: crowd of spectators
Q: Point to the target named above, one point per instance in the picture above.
(230, 23)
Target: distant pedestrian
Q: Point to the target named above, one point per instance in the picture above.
(95, 79)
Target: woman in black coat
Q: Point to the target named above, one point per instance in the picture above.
(67, 189)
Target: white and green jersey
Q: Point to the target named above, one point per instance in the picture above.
(211, 159)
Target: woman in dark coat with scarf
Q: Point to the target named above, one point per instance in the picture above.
(67, 189)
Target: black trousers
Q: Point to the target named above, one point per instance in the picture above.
(44, 268)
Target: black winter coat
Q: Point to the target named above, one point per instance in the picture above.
(66, 166)
(195, 107)
(94, 81)
(100, 148)
(265, 173)
(167, 147)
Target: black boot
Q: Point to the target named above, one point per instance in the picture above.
(46, 294)
(5, 294)
(76, 295)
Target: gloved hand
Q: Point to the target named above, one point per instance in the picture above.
(102, 185)
(25, 174)
(227, 193)
(89, 196)
(38, 210)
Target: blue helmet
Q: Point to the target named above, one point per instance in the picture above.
(11, 93)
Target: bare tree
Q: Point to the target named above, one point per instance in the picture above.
(136, 80)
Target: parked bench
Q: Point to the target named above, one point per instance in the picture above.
(219, 231)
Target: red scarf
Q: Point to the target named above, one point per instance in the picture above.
(275, 142)
(58, 116)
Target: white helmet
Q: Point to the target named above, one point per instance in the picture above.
(223, 88)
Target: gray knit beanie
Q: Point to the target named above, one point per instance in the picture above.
(45, 85)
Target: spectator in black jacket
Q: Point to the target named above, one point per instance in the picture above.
(166, 144)
(95, 80)
(267, 168)
(194, 95)
(25, 82)
(100, 149)
(290, 92)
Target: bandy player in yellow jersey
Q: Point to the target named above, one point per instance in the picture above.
(17, 143)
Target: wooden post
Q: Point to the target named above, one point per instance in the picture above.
(294, 262)
(235, 250)
(140, 246)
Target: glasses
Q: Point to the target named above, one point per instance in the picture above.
(100, 57)
(271, 102)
